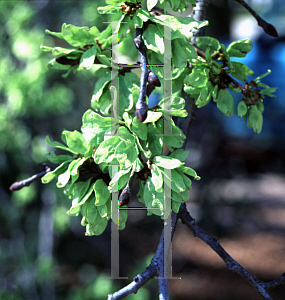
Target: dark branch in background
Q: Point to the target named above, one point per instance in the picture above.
(146, 76)
(26, 182)
(232, 265)
(185, 123)
(199, 14)
(267, 27)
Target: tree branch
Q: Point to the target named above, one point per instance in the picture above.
(146, 76)
(267, 27)
(155, 268)
(199, 13)
(232, 265)
(26, 182)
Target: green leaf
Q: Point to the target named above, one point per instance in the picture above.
(154, 143)
(120, 180)
(67, 52)
(151, 4)
(123, 215)
(104, 79)
(58, 159)
(55, 173)
(242, 109)
(181, 56)
(215, 92)
(57, 34)
(260, 106)
(102, 193)
(125, 153)
(146, 153)
(268, 92)
(140, 192)
(205, 95)
(177, 182)
(204, 42)
(239, 48)
(128, 119)
(176, 197)
(77, 36)
(179, 154)
(74, 172)
(241, 71)
(189, 172)
(255, 119)
(198, 77)
(53, 64)
(75, 141)
(175, 206)
(167, 162)
(64, 177)
(87, 59)
(157, 178)
(104, 60)
(108, 9)
(187, 182)
(225, 102)
(95, 127)
(103, 211)
(180, 27)
(137, 165)
(106, 151)
(173, 104)
(176, 139)
(59, 145)
(153, 39)
(152, 116)
(81, 192)
(95, 225)
(139, 128)
(153, 200)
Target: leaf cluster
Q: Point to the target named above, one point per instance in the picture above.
(214, 75)
(106, 142)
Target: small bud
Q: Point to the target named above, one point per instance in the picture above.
(153, 79)
(124, 198)
(138, 42)
(141, 114)
(16, 186)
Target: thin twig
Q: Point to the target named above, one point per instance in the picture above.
(185, 123)
(267, 27)
(232, 265)
(26, 182)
